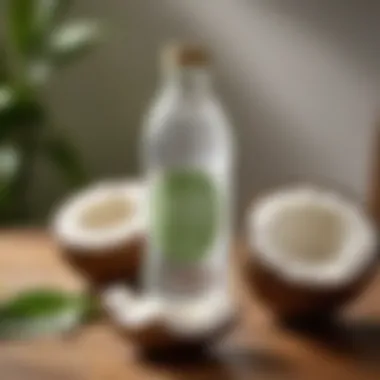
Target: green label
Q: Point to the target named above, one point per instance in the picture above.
(185, 214)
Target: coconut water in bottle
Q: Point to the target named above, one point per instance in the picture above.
(188, 154)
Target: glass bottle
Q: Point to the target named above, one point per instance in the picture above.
(188, 160)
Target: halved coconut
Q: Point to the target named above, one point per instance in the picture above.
(153, 323)
(101, 230)
(311, 251)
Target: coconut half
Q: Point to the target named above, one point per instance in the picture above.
(101, 230)
(154, 323)
(311, 250)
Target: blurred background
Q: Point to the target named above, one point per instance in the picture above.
(300, 81)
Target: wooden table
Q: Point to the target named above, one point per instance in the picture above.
(258, 349)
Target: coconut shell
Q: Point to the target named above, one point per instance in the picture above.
(291, 301)
(153, 334)
(155, 337)
(111, 265)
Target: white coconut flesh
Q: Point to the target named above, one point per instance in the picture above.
(192, 318)
(129, 310)
(102, 216)
(311, 236)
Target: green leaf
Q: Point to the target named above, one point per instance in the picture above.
(31, 21)
(21, 24)
(3, 65)
(64, 156)
(8, 104)
(49, 12)
(10, 162)
(16, 114)
(73, 40)
(35, 304)
(41, 312)
(7, 98)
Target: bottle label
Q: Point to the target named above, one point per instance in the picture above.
(184, 214)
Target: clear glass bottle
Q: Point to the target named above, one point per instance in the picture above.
(188, 156)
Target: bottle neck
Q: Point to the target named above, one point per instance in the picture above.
(188, 82)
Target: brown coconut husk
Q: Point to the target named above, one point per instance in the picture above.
(292, 301)
(112, 264)
(103, 207)
(155, 336)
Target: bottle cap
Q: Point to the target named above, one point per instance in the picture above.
(185, 55)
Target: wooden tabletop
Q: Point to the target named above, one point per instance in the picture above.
(257, 349)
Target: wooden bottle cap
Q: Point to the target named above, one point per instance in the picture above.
(185, 55)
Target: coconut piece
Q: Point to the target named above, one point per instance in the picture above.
(198, 317)
(156, 324)
(139, 319)
(101, 230)
(310, 251)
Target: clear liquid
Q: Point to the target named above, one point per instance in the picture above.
(186, 129)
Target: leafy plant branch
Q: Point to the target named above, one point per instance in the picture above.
(38, 42)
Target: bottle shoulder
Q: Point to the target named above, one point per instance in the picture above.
(175, 130)
(168, 110)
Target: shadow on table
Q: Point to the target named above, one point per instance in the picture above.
(224, 364)
(357, 339)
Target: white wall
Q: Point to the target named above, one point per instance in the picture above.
(298, 77)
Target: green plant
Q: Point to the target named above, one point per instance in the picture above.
(37, 42)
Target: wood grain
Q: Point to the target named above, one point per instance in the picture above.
(256, 349)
